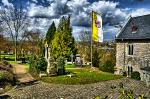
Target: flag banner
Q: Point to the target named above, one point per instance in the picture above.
(97, 32)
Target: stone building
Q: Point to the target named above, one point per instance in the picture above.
(133, 47)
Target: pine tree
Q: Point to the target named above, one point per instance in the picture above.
(50, 33)
(63, 43)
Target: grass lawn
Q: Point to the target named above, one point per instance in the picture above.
(7, 56)
(26, 66)
(82, 76)
(11, 58)
(13, 62)
(70, 66)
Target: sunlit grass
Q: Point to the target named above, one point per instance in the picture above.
(81, 76)
(70, 66)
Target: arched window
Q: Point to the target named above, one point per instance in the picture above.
(147, 63)
(130, 49)
(130, 70)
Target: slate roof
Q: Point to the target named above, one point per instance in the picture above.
(143, 31)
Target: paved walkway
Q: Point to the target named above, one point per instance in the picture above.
(22, 74)
(43, 90)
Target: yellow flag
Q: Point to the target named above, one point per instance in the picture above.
(97, 33)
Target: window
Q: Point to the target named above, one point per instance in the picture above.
(134, 28)
(147, 63)
(130, 49)
(130, 70)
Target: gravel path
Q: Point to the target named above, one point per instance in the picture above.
(22, 75)
(41, 90)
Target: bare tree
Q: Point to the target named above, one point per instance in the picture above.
(36, 40)
(14, 22)
(84, 45)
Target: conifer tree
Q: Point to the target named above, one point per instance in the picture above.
(63, 43)
(50, 33)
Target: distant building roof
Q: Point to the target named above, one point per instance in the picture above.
(136, 28)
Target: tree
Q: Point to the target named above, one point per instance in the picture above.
(50, 33)
(34, 42)
(107, 60)
(96, 53)
(14, 20)
(84, 45)
(63, 43)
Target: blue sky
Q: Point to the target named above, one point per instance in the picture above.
(114, 13)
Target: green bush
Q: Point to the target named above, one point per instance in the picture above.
(61, 66)
(96, 58)
(36, 65)
(135, 75)
(6, 64)
(124, 74)
(41, 64)
(6, 76)
(107, 66)
(32, 66)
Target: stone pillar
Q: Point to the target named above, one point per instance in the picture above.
(46, 51)
(48, 60)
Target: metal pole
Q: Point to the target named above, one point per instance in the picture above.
(91, 39)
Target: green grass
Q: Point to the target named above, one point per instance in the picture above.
(11, 59)
(13, 62)
(70, 66)
(7, 56)
(82, 76)
(26, 67)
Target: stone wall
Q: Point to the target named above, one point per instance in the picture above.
(140, 57)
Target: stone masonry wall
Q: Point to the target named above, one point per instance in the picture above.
(141, 52)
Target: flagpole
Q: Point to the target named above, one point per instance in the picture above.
(91, 39)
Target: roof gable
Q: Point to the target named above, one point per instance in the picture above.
(143, 28)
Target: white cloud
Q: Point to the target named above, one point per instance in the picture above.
(80, 14)
(109, 11)
(6, 3)
(82, 19)
(140, 12)
(78, 29)
(55, 9)
(77, 5)
(80, 10)
(41, 24)
(38, 10)
(110, 32)
(103, 6)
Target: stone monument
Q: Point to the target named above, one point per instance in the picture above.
(51, 68)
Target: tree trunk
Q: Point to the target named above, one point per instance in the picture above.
(16, 50)
(0, 56)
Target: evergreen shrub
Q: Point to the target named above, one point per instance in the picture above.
(61, 66)
(135, 75)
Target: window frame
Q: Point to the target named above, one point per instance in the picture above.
(130, 49)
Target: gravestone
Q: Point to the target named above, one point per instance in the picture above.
(78, 60)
